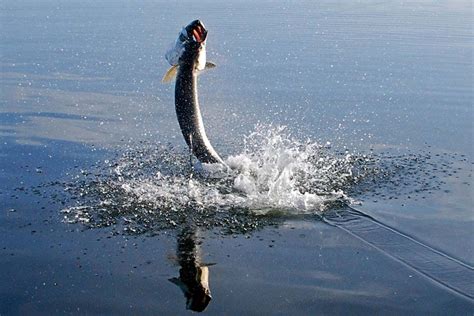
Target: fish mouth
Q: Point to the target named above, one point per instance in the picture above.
(196, 31)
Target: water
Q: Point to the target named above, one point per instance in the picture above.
(319, 108)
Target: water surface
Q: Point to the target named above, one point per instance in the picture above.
(96, 192)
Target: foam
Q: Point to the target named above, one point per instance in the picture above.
(274, 171)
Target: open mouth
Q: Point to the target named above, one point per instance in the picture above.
(197, 32)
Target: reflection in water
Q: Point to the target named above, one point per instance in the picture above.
(193, 277)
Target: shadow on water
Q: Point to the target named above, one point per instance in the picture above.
(193, 277)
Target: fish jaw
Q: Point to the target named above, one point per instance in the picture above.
(190, 47)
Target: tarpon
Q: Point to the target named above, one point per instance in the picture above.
(188, 58)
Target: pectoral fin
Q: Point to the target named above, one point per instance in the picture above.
(210, 65)
(170, 74)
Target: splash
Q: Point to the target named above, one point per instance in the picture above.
(273, 172)
(276, 171)
(154, 188)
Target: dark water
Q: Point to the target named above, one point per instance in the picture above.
(99, 214)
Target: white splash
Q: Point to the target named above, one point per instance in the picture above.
(274, 171)
(149, 189)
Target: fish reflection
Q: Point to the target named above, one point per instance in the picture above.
(193, 277)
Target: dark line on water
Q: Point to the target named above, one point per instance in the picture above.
(432, 263)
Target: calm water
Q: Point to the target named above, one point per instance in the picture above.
(99, 214)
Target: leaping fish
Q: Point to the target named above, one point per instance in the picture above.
(187, 59)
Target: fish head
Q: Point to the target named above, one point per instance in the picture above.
(190, 47)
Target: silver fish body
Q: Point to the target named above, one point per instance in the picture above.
(190, 56)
